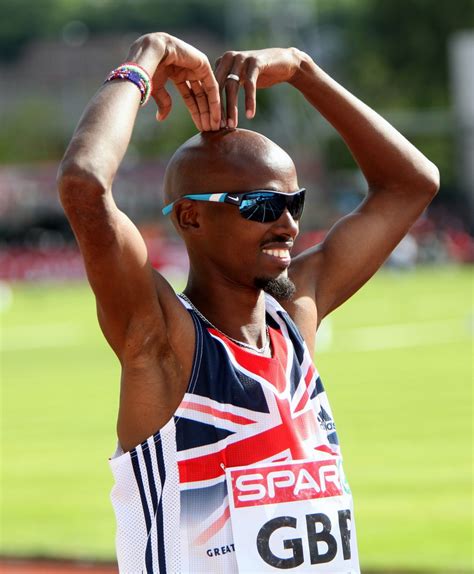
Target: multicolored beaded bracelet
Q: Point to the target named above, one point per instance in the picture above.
(135, 74)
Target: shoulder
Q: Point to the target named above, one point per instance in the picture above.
(302, 312)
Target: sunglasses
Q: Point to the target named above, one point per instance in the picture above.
(261, 205)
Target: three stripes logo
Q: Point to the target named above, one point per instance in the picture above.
(326, 422)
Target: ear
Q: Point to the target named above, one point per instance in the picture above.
(187, 217)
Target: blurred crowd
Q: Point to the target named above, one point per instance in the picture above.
(36, 242)
(422, 85)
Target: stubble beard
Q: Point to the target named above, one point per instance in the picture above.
(282, 288)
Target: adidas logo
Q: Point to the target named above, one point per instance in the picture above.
(325, 421)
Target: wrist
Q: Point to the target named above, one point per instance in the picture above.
(148, 51)
(304, 67)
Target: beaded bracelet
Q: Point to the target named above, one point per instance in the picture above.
(135, 74)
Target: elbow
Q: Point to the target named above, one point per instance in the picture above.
(431, 180)
(78, 185)
(423, 185)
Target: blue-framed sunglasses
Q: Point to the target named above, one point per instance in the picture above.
(261, 205)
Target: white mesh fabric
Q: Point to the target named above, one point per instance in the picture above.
(132, 539)
(171, 501)
(131, 533)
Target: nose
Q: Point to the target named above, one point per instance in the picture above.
(286, 225)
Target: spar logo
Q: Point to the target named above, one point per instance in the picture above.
(286, 483)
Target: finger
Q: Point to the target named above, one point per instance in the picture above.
(163, 101)
(232, 90)
(204, 74)
(218, 75)
(190, 102)
(222, 67)
(250, 87)
(202, 104)
(194, 65)
(211, 90)
(223, 122)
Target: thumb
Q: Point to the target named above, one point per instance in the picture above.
(163, 101)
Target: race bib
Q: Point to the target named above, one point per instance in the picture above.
(294, 516)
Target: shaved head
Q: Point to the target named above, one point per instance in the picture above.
(220, 243)
(227, 160)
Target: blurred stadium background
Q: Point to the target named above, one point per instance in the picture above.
(397, 359)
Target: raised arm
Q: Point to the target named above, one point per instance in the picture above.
(401, 183)
(114, 252)
(138, 312)
(401, 180)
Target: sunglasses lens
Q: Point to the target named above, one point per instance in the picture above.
(296, 204)
(263, 207)
(266, 207)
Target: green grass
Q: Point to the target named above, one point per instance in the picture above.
(401, 397)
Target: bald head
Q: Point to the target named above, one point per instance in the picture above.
(227, 160)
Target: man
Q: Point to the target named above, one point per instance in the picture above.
(228, 458)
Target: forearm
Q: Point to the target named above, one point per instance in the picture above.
(104, 131)
(386, 158)
(103, 134)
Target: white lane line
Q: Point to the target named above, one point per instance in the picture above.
(370, 338)
(399, 335)
(23, 337)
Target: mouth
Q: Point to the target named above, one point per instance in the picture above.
(278, 253)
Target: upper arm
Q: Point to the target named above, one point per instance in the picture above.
(357, 245)
(132, 303)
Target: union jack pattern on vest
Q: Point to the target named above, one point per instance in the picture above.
(240, 408)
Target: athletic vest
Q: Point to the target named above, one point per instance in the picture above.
(170, 495)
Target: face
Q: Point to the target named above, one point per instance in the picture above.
(223, 245)
(248, 252)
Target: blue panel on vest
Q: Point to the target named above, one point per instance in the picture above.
(295, 337)
(318, 389)
(190, 434)
(332, 438)
(220, 381)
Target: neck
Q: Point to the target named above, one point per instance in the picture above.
(236, 310)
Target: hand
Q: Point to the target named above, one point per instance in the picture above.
(167, 57)
(256, 69)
